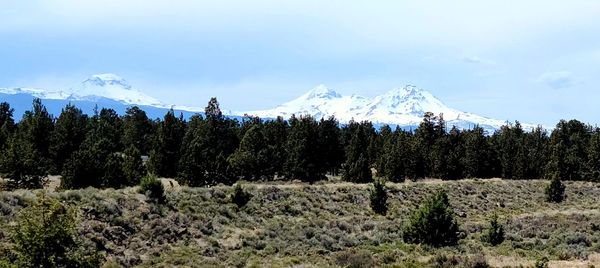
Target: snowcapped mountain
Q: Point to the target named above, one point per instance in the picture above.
(109, 86)
(113, 87)
(403, 107)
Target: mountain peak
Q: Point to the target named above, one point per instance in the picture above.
(406, 92)
(107, 79)
(321, 91)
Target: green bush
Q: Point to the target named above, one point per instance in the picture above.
(541, 263)
(555, 191)
(433, 223)
(45, 236)
(239, 196)
(378, 198)
(153, 188)
(495, 233)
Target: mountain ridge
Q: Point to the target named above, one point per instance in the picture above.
(400, 106)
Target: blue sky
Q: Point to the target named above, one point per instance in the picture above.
(535, 61)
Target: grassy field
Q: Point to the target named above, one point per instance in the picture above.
(328, 224)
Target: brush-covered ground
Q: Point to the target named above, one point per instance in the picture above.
(328, 224)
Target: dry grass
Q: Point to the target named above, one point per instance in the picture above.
(326, 224)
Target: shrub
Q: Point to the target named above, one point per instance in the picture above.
(433, 223)
(443, 261)
(541, 263)
(378, 198)
(353, 258)
(239, 196)
(153, 188)
(495, 233)
(45, 236)
(555, 191)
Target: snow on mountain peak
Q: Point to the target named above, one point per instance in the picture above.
(403, 106)
(106, 79)
(322, 91)
(111, 86)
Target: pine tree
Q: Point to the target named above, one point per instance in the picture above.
(35, 129)
(495, 232)
(137, 130)
(276, 132)
(332, 153)
(133, 167)
(455, 153)
(555, 191)
(302, 151)
(396, 158)
(357, 165)
(251, 159)
(425, 137)
(7, 123)
(165, 154)
(22, 164)
(192, 169)
(69, 132)
(593, 164)
(511, 151)
(240, 197)
(378, 197)
(476, 160)
(99, 161)
(433, 223)
(568, 146)
(206, 146)
(536, 147)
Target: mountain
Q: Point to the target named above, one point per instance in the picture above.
(100, 90)
(403, 107)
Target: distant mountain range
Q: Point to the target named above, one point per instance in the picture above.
(403, 107)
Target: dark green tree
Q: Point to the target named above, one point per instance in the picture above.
(495, 232)
(303, 151)
(569, 143)
(165, 154)
(593, 164)
(133, 167)
(357, 165)
(397, 158)
(332, 152)
(240, 197)
(276, 132)
(137, 130)
(99, 160)
(7, 123)
(153, 188)
(434, 223)
(555, 191)
(206, 146)
(477, 160)
(69, 133)
(509, 143)
(251, 159)
(22, 164)
(35, 130)
(378, 197)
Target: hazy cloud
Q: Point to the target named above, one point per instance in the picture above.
(557, 80)
(476, 60)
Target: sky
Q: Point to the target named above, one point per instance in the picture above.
(532, 61)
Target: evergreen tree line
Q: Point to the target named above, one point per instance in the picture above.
(108, 150)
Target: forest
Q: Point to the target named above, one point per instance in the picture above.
(107, 150)
(288, 169)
